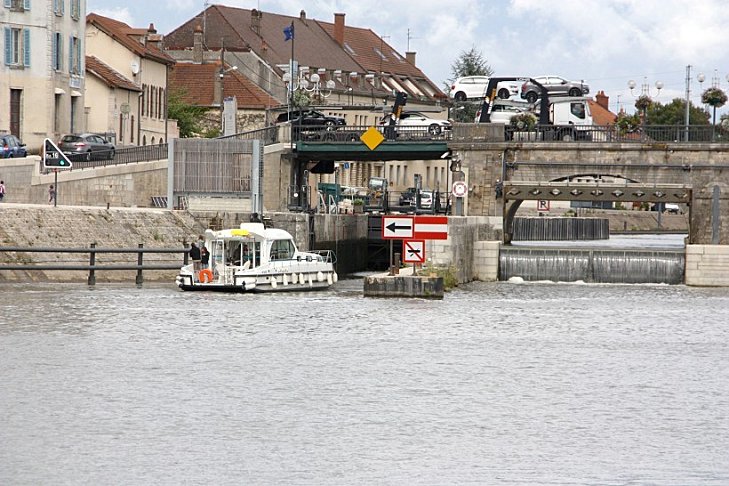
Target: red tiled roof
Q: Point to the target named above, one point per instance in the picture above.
(126, 36)
(109, 75)
(198, 81)
(600, 115)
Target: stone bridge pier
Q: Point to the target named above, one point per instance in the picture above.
(701, 168)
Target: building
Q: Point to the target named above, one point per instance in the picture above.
(42, 80)
(127, 75)
(361, 68)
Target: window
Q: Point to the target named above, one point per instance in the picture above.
(18, 5)
(74, 55)
(57, 54)
(17, 46)
(58, 7)
(282, 250)
(578, 109)
(75, 8)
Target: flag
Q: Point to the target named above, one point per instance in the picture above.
(288, 32)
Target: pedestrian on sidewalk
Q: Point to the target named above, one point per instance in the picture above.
(51, 194)
(2, 190)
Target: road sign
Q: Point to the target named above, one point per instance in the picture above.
(53, 157)
(413, 251)
(430, 228)
(397, 227)
(460, 189)
(542, 205)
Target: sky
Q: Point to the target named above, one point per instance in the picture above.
(606, 43)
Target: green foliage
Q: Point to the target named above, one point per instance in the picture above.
(523, 121)
(627, 123)
(188, 116)
(300, 99)
(674, 113)
(465, 111)
(358, 202)
(714, 97)
(469, 63)
(643, 102)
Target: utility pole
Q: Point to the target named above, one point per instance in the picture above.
(688, 100)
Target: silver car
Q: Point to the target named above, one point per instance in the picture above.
(554, 85)
(86, 146)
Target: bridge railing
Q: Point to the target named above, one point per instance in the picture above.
(269, 135)
(121, 156)
(612, 133)
(352, 133)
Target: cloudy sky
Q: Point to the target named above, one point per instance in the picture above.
(605, 42)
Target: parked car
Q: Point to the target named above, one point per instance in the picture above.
(11, 147)
(310, 118)
(86, 146)
(502, 111)
(554, 85)
(416, 123)
(407, 198)
(469, 87)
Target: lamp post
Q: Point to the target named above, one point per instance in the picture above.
(221, 75)
(645, 94)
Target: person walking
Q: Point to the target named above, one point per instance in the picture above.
(51, 194)
(2, 190)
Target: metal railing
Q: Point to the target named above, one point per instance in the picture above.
(269, 135)
(92, 265)
(352, 133)
(614, 134)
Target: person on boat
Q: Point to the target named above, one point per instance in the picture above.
(204, 256)
(196, 261)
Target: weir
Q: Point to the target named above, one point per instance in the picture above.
(561, 229)
(592, 265)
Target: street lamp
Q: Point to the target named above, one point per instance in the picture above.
(645, 95)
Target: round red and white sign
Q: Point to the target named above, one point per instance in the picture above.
(460, 189)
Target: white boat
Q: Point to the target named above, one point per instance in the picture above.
(254, 258)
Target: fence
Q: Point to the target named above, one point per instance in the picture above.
(93, 266)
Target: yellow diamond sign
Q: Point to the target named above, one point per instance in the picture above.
(372, 138)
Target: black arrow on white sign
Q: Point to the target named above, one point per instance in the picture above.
(393, 227)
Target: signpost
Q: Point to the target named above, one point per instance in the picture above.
(54, 158)
(397, 227)
(430, 227)
(542, 205)
(460, 189)
(413, 251)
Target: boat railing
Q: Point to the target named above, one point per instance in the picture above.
(326, 256)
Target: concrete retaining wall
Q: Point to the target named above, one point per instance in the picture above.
(486, 260)
(408, 286)
(707, 265)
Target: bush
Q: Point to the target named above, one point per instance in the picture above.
(523, 121)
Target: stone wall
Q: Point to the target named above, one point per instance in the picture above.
(707, 265)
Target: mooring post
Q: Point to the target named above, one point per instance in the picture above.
(140, 255)
(92, 263)
(186, 253)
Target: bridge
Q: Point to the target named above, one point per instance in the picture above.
(657, 165)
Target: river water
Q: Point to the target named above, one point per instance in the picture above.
(499, 383)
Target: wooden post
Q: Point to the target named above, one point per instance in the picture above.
(92, 262)
(140, 255)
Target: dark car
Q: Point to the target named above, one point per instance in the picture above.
(311, 118)
(407, 198)
(11, 146)
(86, 146)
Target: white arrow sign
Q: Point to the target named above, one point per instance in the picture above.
(397, 227)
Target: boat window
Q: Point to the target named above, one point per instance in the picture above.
(282, 250)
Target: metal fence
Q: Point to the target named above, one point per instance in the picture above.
(269, 135)
(614, 134)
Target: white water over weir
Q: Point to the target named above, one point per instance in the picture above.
(592, 265)
(561, 229)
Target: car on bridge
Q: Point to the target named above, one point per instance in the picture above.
(555, 85)
(473, 87)
(86, 146)
(11, 146)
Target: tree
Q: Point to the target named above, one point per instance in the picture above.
(674, 113)
(470, 63)
(187, 115)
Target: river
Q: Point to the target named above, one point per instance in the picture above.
(499, 383)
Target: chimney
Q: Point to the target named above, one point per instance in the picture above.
(153, 39)
(339, 28)
(302, 15)
(410, 57)
(602, 100)
(197, 45)
(256, 21)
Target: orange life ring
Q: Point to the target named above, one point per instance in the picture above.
(205, 275)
